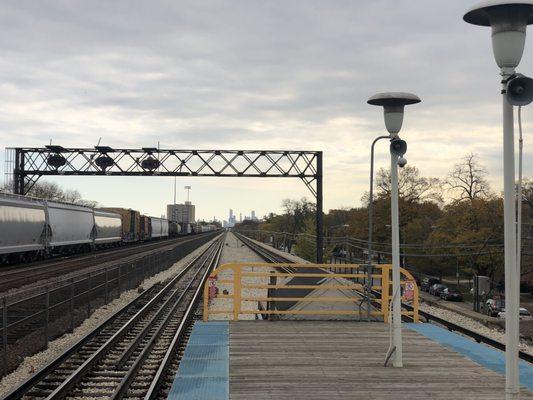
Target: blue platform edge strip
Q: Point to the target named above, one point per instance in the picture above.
(485, 356)
(203, 373)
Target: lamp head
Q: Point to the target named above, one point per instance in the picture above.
(393, 104)
(508, 20)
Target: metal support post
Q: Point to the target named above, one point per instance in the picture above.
(18, 173)
(457, 271)
(397, 303)
(119, 281)
(512, 275)
(4, 333)
(89, 289)
(106, 296)
(72, 294)
(46, 316)
(319, 206)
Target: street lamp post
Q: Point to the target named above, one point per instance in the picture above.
(371, 226)
(393, 104)
(508, 20)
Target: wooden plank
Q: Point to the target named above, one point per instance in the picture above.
(344, 360)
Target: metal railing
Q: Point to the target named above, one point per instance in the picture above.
(29, 321)
(287, 287)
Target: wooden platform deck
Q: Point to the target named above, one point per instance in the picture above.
(307, 360)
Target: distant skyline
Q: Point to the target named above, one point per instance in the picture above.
(250, 75)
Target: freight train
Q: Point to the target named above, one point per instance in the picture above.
(32, 228)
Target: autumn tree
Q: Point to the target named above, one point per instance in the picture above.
(305, 245)
(473, 231)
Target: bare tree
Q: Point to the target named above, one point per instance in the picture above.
(52, 191)
(467, 179)
(411, 186)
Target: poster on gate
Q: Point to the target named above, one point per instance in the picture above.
(213, 289)
(409, 292)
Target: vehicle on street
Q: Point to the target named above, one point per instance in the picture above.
(437, 289)
(524, 314)
(451, 295)
(494, 306)
(427, 282)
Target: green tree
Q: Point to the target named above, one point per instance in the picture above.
(476, 229)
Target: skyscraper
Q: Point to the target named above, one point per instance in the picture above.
(231, 219)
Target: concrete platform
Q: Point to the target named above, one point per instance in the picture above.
(344, 360)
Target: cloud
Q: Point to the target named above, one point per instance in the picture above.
(250, 74)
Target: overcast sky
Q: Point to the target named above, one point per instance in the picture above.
(249, 75)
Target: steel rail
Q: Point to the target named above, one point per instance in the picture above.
(185, 319)
(171, 352)
(26, 386)
(478, 337)
(67, 385)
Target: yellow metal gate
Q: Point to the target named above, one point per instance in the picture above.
(249, 288)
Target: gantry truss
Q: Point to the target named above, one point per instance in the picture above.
(30, 164)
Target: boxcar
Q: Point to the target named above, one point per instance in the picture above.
(23, 223)
(107, 228)
(131, 223)
(70, 225)
(146, 228)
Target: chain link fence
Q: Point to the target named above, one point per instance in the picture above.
(29, 321)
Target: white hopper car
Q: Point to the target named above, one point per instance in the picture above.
(32, 228)
(159, 228)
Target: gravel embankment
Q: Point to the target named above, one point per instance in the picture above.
(56, 347)
(474, 325)
(235, 251)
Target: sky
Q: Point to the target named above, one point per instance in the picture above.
(279, 74)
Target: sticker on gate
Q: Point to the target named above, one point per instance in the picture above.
(409, 292)
(213, 289)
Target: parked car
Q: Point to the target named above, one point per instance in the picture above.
(524, 314)
(428, 282)
(494, 306)
(437, 289)
(451, 295)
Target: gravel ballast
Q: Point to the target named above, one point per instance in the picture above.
(56, 347)
(235, 252)
(473, 325)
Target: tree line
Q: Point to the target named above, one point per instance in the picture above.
(446, 224)
(52, 191)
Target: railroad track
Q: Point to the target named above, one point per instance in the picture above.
(270, 256)
(21, 275)
(130, 354)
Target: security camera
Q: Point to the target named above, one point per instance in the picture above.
(402, 162)
(520, 90)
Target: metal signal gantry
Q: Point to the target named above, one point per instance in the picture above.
(30, 164)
